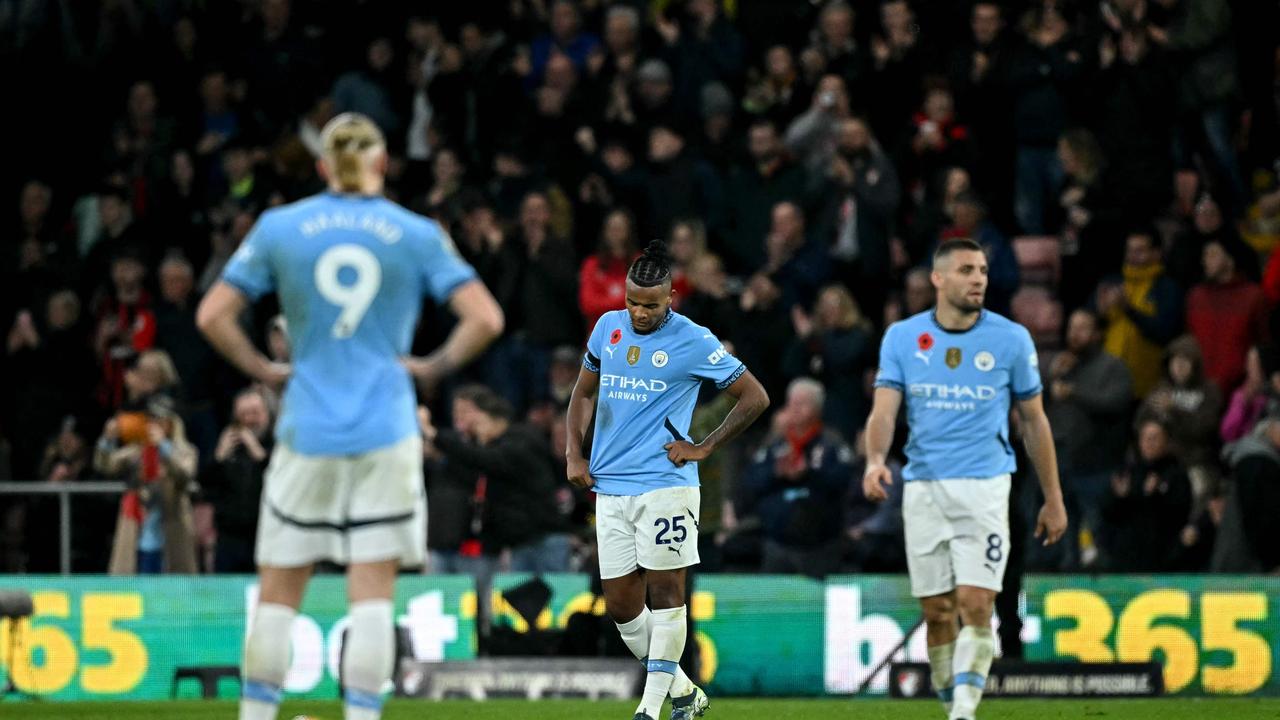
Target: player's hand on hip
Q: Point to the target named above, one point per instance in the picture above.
(1052, 523)
(576, 471)
(875, 483)
(680, 452)
(274, 375)
(428, 372)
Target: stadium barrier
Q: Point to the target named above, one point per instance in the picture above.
(121, 638)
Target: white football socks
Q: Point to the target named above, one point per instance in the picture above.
(368, 658)
(635, 634)
(666, 645)
(940, 660)
(266, 660)
(975, 648)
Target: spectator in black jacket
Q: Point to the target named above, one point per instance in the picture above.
(1092, 245)
(1088, 394)
(194, 360)
(1255, 462)
(797, 485)
(1039, 78)
(533, 277)
(862, 196)
(979, 70)
(1135, 116)
(753, 190)
(515, 485)
(1149, 506)
(836, 344)
(233, 482)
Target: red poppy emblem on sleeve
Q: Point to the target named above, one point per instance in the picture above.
(616, 337)
(925, 341)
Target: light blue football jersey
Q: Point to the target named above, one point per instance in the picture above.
(648, 388)
(958, 387)
(351, 272)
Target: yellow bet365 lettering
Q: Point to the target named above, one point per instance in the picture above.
(127, 653)
(1087, 641)
(51, 646)
(1250, 665)
(1138, 637)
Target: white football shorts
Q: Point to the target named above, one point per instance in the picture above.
(345, 509)
(957, 533)
(657, 530)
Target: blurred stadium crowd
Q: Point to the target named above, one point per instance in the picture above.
(1119, 160)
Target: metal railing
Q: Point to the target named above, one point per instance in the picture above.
(64, 491)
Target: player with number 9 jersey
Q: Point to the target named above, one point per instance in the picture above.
(344, 483)
(351, 272)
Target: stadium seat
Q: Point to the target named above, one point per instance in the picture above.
(1035, 308)
(1039, 258)
(208, 675)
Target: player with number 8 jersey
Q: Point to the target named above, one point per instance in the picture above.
(344, 483)
(958, 368)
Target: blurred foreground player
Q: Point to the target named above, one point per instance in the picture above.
(640, 376)
(958, 365)
(345, 479)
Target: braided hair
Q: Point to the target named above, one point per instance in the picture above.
(653, 267)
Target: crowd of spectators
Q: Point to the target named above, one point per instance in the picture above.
(1118, 159)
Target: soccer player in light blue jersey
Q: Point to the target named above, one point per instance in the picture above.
(640, 376)
(960, 368)
(345, 480)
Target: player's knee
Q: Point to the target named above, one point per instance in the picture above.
(667, 597)
(624, 599)
(940, 611)
(975, 608)
(666, 590)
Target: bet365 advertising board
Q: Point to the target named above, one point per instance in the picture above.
(121, 638)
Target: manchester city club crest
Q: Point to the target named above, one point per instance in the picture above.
(633, 355)
(984, 361)
(953, 357)
(659, 359)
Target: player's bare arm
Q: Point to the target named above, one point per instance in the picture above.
(879, 437)
(218, 320)
(1038, 438)
(751, 400)
(480, 322)
(582, 404)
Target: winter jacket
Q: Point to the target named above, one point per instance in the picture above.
(1227, 319)
(1139, 326)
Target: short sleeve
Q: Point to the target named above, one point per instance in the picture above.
(1024, 376)
(890, 375)
(249, 269)
(713, 362)
(595, 345)
(444, 269)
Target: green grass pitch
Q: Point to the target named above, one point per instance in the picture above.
(721, 709)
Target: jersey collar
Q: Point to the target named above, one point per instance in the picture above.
(933, 315)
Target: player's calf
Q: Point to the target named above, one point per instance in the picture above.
(368, 660)
(266, 661)
(666, 645)
(974, 650)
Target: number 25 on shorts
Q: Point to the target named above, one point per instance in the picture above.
(665, 527)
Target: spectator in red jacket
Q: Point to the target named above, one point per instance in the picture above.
(1227, 314)
(126, 325)
(602, 281)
